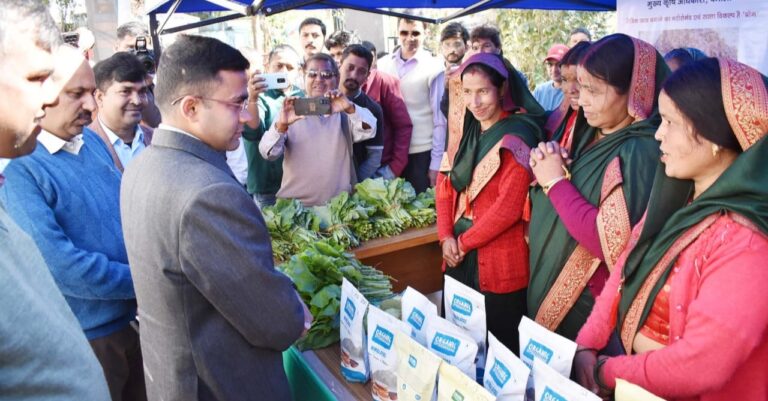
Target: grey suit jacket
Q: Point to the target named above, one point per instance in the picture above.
(215, 315)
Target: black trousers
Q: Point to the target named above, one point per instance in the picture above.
(120, 356)
(417, 170)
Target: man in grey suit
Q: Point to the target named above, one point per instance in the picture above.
(215, 315)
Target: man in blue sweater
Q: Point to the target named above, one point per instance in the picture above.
(44, 353)
(66, 197)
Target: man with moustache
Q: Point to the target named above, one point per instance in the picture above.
(311, 36)
(355, 66)
(216, 315)
(121, 96)
(318, 162)
(65, 195)
(453, 42)
(384, 89)
(417, 69)
(43, 350)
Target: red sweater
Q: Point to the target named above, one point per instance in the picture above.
(385, 90)
(718, 322)
(497, 231)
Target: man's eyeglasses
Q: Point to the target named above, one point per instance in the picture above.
(453, 45)
(312, 74)
(241, 106)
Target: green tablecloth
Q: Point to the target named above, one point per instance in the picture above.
(305, 384)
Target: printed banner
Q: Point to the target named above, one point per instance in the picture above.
(720, 28)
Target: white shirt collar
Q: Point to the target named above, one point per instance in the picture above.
(114, 139)
(419, 56)
(54, 144)
(169, 127)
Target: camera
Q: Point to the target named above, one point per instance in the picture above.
(71, 38)
(146, 56)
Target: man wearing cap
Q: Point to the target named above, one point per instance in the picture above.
(548, 94)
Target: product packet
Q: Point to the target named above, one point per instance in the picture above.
(354, 363)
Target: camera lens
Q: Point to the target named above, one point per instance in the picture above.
(281, 80)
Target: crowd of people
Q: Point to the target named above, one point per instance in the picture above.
(620, 204)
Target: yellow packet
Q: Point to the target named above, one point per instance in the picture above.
(416, 370)
(454, 385)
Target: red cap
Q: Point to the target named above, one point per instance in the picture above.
(556, 52)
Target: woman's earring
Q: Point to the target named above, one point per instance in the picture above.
(715, 150)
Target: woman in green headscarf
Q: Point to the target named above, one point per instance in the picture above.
(481, 192)
(687, 298)
(579, 227)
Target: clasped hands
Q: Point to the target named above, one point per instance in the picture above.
(452, 253)
(548, 162)
(584, 363)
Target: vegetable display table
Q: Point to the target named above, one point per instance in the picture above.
(412, 258)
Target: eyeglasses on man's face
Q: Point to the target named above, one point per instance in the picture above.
(324, 75)
(453, 44)
(240, 107)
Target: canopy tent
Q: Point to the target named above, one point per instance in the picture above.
(241, 8)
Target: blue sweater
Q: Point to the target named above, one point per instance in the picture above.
(69, 204)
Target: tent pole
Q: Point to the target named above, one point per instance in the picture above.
(198, 24)
(171, 11)
(464, 11)
(155, 35)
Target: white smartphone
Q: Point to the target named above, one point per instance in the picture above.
(277, 80)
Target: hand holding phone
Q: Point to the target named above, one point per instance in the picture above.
(312, 106)
(256, 85)
(339, 102)
(287, 115)
(277, 80)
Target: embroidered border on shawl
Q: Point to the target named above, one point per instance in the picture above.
(613, 225)
(643, 84)
(579, 268)
(746, 101)
(456, 112)
(614, 228)
(480, 177)
(631, 323)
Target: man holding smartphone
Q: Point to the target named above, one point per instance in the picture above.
(264, 104)
(317, 149)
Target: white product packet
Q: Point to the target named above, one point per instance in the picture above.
(416, 370)
(354, 363)
(465, 307)
(454, 385)
(415, 309)
(552, 386)
(452, 343)
(505, 374)
(382, 356)
(536, 342)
